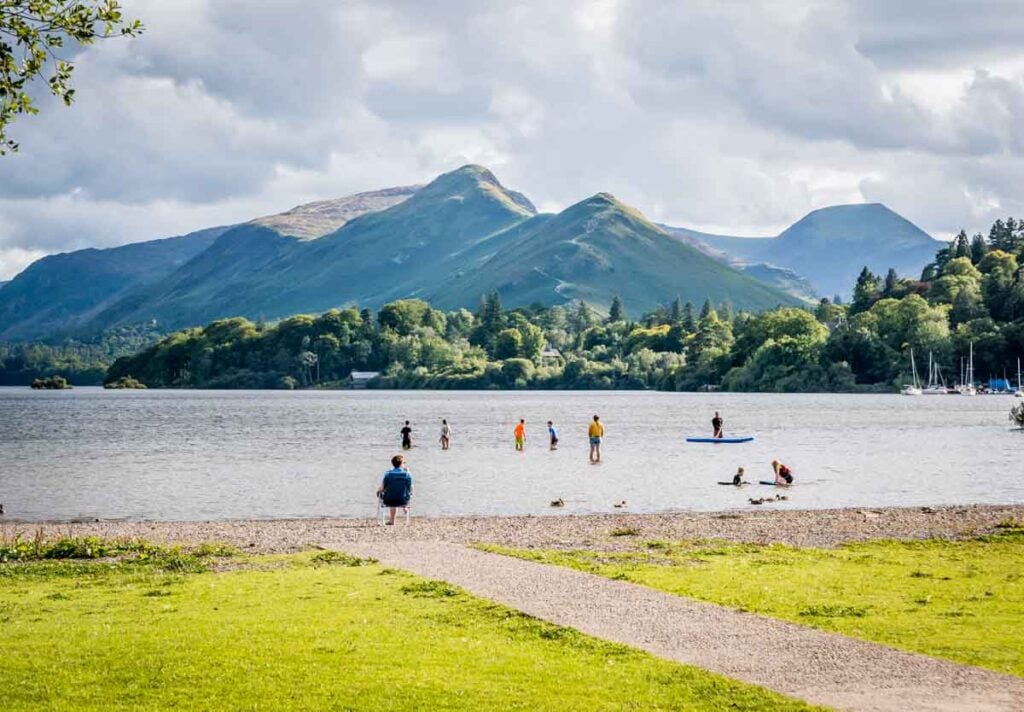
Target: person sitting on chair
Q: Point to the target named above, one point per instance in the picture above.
(396, 488)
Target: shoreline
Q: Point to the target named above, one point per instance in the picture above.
(797, 527)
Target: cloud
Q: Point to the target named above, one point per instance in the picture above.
(720, 116)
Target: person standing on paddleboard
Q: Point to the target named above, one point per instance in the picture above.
(716, 424)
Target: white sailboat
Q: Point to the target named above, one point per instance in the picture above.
(913, 389)
(967, 389)
(936, 386)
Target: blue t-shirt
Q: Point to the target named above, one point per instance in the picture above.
(553, 432)
(397, 487)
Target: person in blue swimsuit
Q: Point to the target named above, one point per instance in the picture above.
(553, 434)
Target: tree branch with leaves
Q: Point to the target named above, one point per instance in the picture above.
(32, 35)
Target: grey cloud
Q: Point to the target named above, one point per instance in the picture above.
(732, 116)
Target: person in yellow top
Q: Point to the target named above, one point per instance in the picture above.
(520, 435)
(596, 432)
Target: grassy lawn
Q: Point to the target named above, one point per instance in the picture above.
(149, 628)
(963, 600)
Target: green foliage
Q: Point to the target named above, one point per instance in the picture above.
(339, 558)
(34, 32)
(124, 382)
(51, 383)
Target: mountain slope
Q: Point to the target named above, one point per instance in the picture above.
(830, 246)
(312, 220)
(60, 292)
(596, 249)
(255, 271)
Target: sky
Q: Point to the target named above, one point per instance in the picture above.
(719, 116)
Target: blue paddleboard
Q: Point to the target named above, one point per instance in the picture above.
(748, 439)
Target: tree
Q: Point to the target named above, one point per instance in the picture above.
(676, 314)
(891, 284)
(979, 248)
(961, 246)
(616, 312)
(689, 320)
(865, 293)
(707, 311)
(32, 33)
(583, 318)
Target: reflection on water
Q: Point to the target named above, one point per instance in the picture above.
(266, 454)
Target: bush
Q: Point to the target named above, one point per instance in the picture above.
(52, 383)
(124, 382)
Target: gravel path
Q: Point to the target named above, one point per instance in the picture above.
(813, 527)
(815, 666)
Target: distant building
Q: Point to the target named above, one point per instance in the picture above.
(550, 353)
(359, 379)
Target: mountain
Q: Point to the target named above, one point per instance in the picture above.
(595, 249)
(450, 241)
(830, 246)
(255, 271)
(60, 292)
(3, 282)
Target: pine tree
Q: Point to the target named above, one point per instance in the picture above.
(979, 247)
(676, 315)
(961, 246)
(865, 293)
(616, 312)
(892, 283)
(689, 320)
(583, 319)
(707, 311)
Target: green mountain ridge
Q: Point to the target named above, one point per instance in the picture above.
(65, 291)
(596, 249)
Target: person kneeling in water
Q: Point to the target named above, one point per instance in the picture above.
(783, 475)
(737, 479)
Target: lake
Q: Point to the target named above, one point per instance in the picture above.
(196, 455)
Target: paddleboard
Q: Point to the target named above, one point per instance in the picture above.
(734, 485)
(747, 439)
(770, 483)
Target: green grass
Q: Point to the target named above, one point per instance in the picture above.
(961, 600)
(311, 631)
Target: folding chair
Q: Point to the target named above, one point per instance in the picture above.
(383, 508)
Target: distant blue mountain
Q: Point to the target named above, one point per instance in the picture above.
(829, 246)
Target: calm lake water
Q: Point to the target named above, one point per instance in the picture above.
(270, 454)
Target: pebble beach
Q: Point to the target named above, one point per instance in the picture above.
(820, 527)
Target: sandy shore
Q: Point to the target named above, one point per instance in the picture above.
(827, 528)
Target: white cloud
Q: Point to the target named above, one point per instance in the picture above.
(721, 116)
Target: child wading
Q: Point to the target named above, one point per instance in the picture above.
(553, 435)
(520, 435)
(446, 435)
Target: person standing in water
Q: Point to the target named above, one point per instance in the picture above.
(596, 432)
(520, 435)
(446, 435)
(406, 437)
(553, 434)
(716, 424)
